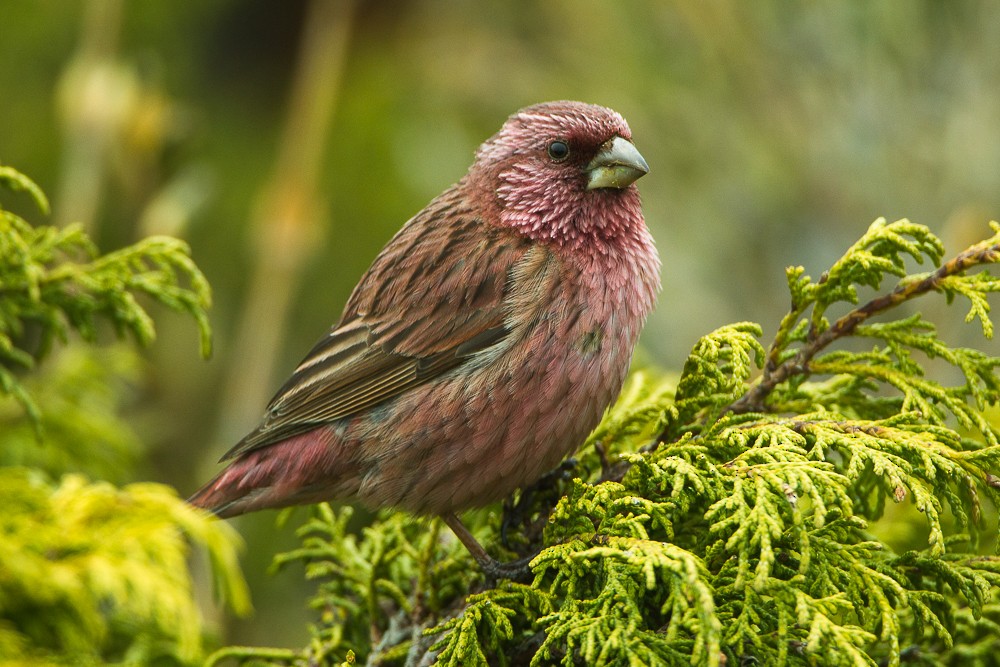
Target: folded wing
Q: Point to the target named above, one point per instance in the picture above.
(432, 299)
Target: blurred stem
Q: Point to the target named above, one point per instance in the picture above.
(92, 93)
(286, 221)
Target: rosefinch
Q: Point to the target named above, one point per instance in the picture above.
(483, 344)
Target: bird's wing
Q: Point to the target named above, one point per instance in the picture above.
(432, 299)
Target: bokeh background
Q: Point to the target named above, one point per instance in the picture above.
(287, 141)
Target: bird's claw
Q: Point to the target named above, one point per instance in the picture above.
(517, 570)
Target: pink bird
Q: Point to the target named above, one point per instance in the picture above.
(481, 347)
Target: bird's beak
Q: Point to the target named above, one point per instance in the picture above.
(616, 165)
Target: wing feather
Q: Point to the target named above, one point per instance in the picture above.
(414, 316)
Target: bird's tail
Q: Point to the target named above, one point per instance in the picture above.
(223, 496)
(297, 471)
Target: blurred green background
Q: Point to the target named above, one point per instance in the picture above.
(287, 141)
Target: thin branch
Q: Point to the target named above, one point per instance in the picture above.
(753, 400)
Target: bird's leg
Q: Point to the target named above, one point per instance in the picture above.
(494, 570)
(541, 496)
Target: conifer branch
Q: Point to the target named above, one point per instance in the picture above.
(777, 371)
(54, 282)
(91, 573)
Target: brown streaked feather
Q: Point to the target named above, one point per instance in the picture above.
(412, 318)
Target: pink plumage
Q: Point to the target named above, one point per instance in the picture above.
(483, 344)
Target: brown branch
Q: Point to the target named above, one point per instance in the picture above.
(753, 400)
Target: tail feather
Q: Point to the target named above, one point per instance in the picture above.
(304, 469)
(224, 496)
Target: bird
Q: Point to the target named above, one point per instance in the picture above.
(481, 347)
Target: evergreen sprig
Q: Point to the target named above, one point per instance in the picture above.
(805, 330)
(91, 573)
(54, 281)
(748, 512)
(397, 564)
(94, 574)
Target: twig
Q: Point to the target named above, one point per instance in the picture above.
(753, 400)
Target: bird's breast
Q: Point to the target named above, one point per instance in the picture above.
(515, 409)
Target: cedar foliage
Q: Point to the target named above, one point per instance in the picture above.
(91, 573)
(730, 516)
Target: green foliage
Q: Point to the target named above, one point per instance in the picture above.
(81, 392)
(393, 565)
(737, 519)
(91, 573)
(53, 281)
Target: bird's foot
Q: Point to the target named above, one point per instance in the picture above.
(494, 570)
(515, 570)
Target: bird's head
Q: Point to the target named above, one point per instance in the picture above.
(563, 173)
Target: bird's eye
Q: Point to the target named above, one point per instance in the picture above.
(558, 150)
